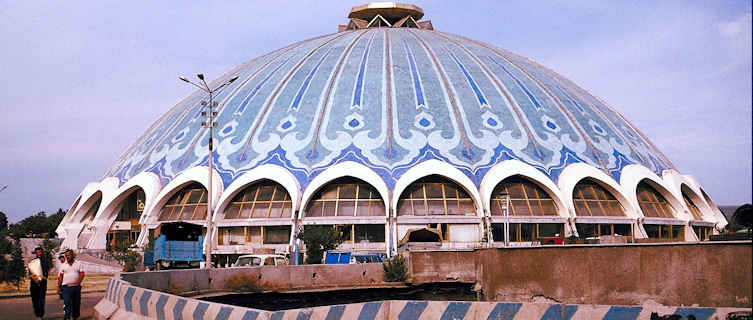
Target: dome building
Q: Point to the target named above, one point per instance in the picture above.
(389, 126)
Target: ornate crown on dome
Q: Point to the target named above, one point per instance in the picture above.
(386, 15)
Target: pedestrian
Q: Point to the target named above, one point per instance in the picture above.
(39, 269)
(69, 285)
(61, 259)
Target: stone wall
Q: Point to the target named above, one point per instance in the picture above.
(707, 274)
(277, 278)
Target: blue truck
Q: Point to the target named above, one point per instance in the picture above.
(178, 245)
(350, 258)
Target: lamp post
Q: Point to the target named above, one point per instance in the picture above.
(209, 124)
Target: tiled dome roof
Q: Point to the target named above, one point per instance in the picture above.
(390, 98)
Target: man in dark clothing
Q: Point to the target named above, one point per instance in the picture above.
(39, 269)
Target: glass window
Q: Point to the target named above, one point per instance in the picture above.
(434, 195)
(622, 229)
(678, 233)
(550, 230)
(264, 199)
(652, 203)
(652, 230)
(187, 204)
(276, 234)
(368, 233)
(346, 197)
(691, 205)
(253, 235)
(586, 230)
(526, 198)
(591, 199)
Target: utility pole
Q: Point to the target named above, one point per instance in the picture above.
(209, 124)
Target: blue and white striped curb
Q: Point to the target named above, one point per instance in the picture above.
(124, 301)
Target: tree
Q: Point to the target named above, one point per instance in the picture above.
(53, 221)
(38, 224)
(15, 270)
(3, 221)
(318, 239)
(48, 248)
(744, 216)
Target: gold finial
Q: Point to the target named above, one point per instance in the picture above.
(386, 14)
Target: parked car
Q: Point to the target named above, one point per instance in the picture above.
(258, 260)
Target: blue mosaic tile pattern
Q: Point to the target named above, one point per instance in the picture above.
(389, 99)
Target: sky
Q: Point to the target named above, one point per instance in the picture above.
(82, 80)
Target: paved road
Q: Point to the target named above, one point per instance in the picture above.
(20, 308)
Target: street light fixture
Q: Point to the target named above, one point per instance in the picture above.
(210, 124)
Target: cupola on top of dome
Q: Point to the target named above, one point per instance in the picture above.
(386, 15)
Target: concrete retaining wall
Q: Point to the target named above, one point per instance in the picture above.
(125, 301)
(277, 278)
(709, 274)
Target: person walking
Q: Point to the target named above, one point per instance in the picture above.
(69, 285)
(39, 269)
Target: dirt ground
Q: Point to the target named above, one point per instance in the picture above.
(20, 308)
(91, 282)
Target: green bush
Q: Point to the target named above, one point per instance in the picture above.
(395, 269)
(13, 268)
(318, 239)
(123, 253)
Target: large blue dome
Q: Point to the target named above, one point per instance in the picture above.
(390, 98)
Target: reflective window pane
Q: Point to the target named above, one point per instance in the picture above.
(346, 208)
(276, 234)
(347, 191)
(260, 210)
(232, 211)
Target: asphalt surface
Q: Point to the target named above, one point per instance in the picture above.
(20, 308)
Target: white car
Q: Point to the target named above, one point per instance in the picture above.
(258, 260)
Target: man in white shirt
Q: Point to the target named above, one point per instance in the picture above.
(69, 285)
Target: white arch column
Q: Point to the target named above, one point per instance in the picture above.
(574, 173)
(196, 174)
(436, 167)
(340, 170)
(270, 172)
(508, 168)
(632, 175)
(146, 181)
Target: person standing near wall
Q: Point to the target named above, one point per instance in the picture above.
(69, 285)
(39, 269)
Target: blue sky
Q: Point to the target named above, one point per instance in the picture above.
(83, 79)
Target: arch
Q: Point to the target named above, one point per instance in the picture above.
(271, 172)
(720, 218)
(146, 181)
(344, 169)
(195, 174)
(692, 201)
(346, 197)
(574, 173)
(436, 167)
(76, 225)
(632, 175)
(508, 168)
(674, 181)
